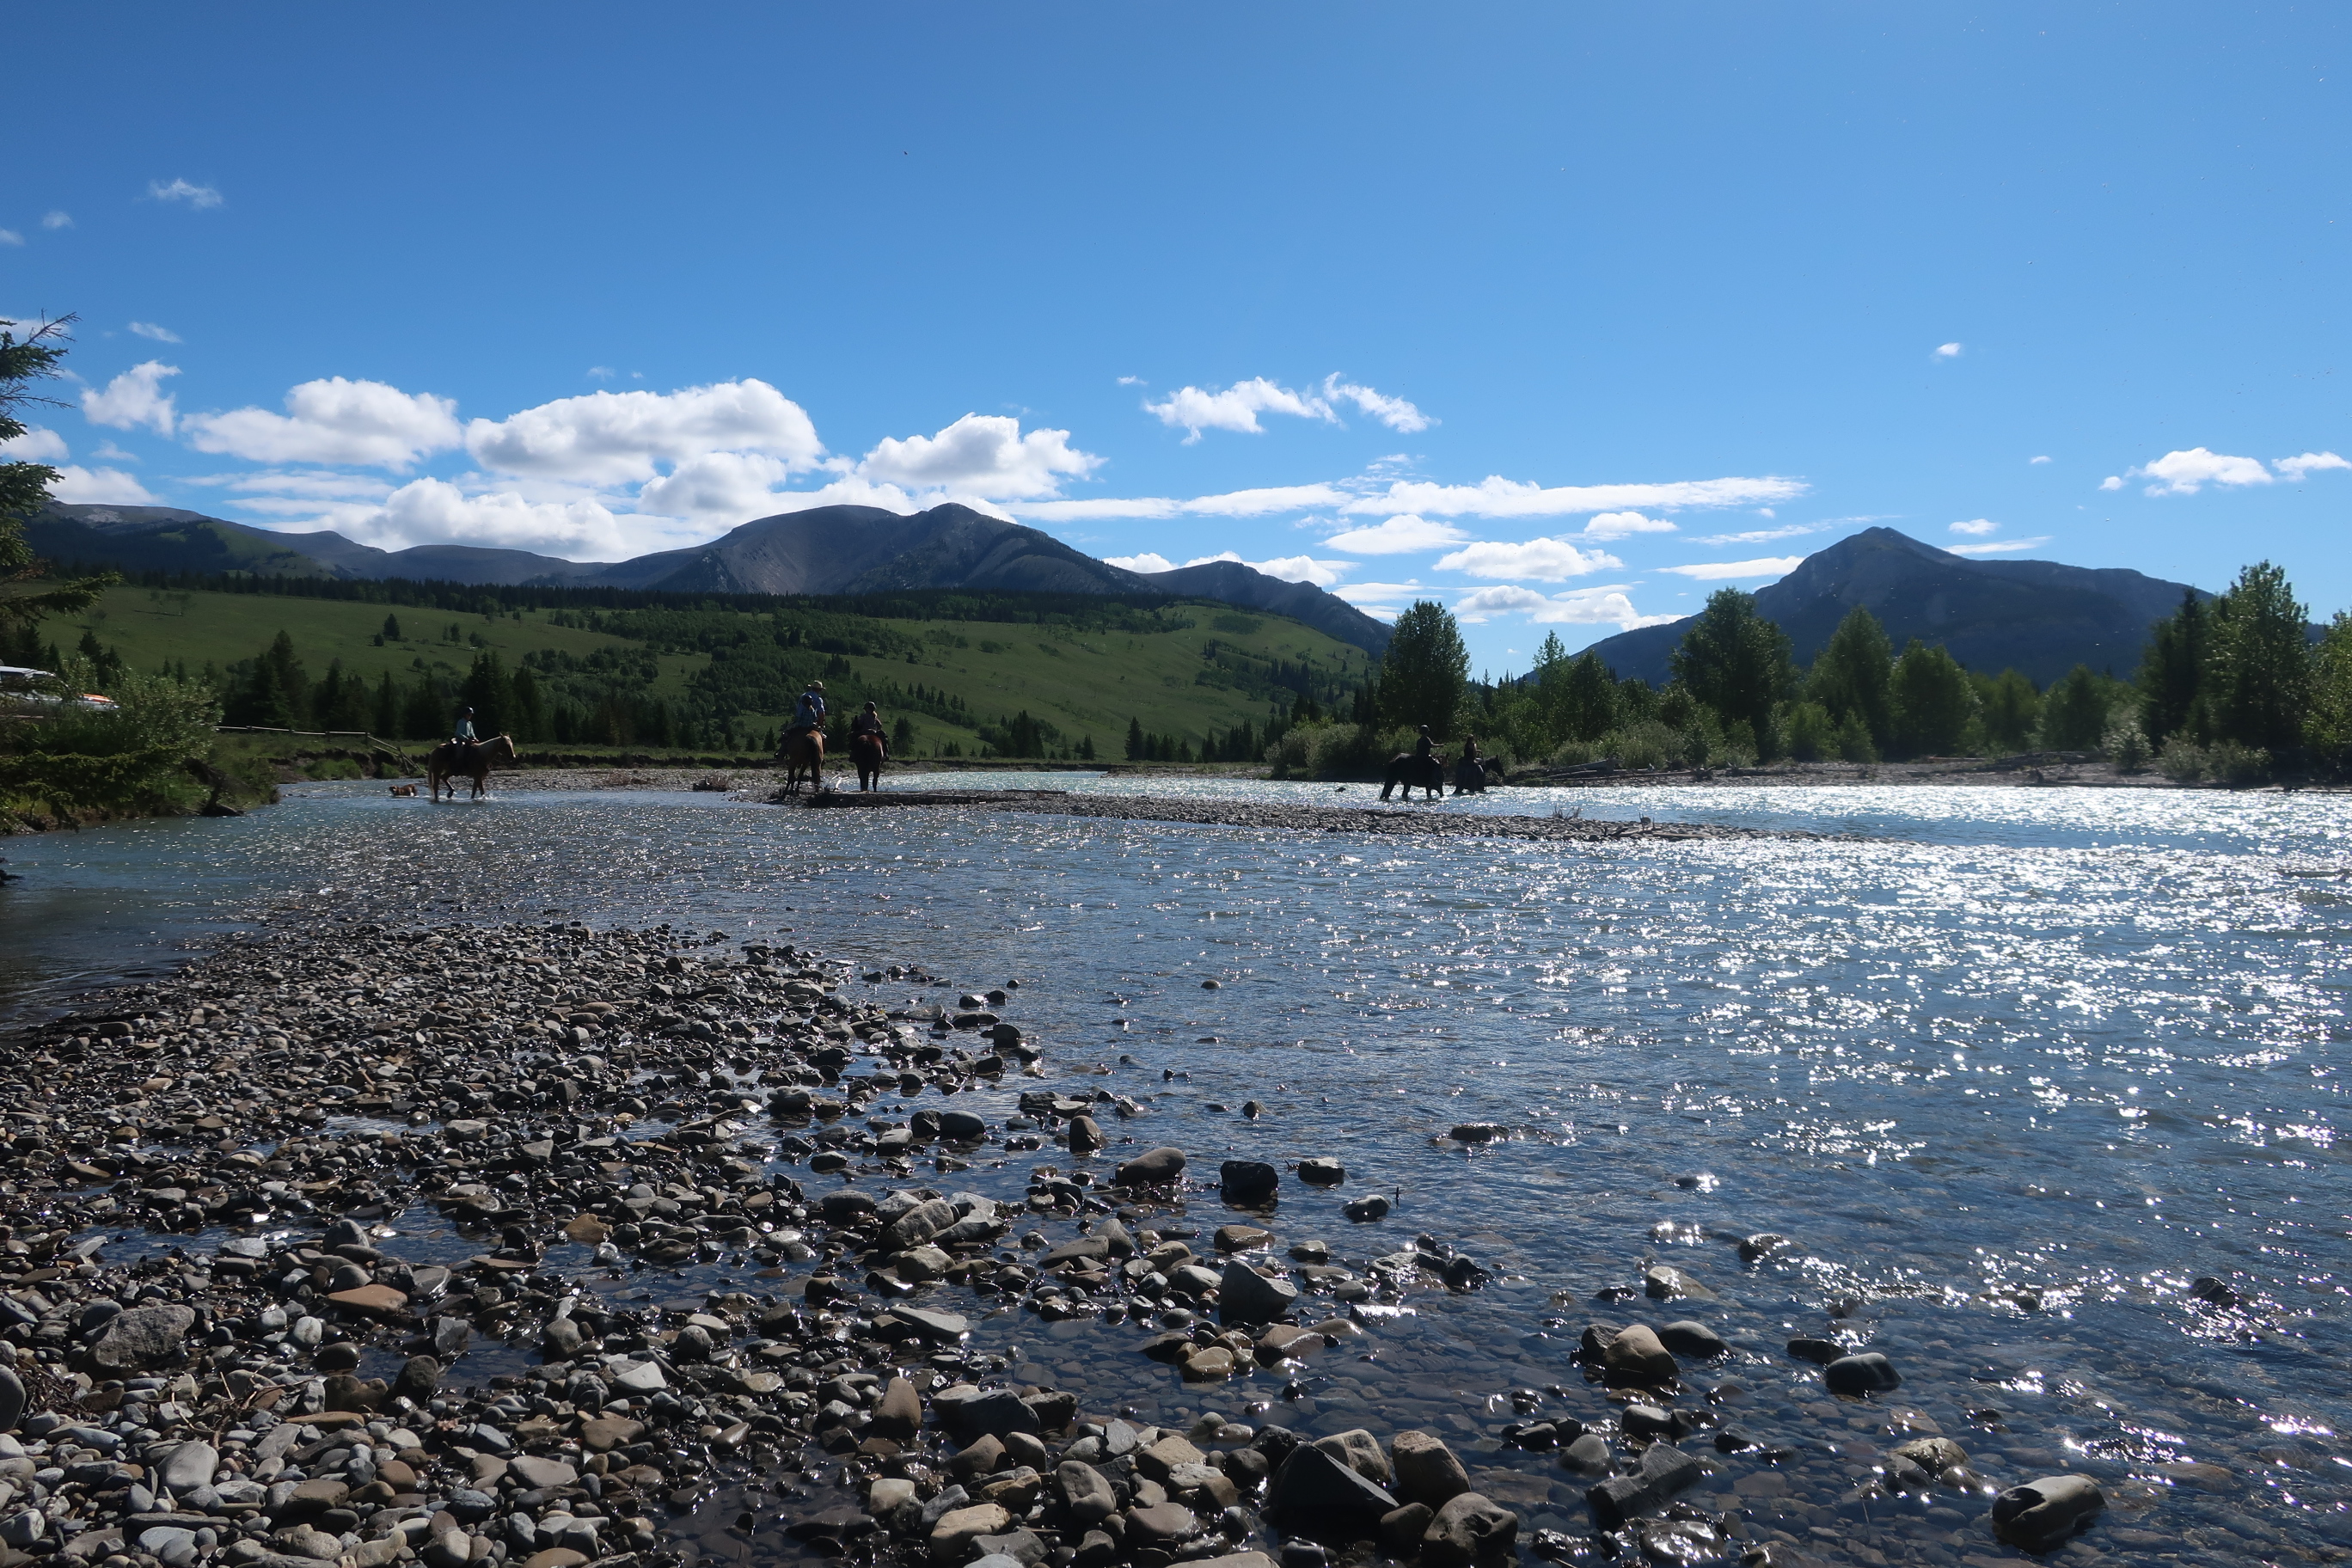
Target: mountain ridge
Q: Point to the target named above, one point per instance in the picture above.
(2040, 617)
(821, 550)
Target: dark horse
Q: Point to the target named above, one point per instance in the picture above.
(803, 752)
(1416, 772)
(866, 756)
(451, 761)
(1471, 776)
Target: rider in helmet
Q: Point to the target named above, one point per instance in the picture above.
(869, 722)
(1424, 745)
(463, 736)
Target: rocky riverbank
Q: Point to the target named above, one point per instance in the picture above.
(1400, 820)
(548, 1246)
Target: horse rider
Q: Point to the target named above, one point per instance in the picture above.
(808, 713)
(869, 722)
(1470, 757)
(1422, 747)
(464, 738)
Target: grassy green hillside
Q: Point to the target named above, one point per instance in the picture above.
(1189, 671)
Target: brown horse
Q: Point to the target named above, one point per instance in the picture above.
(803, 753)
(449, 763)
(1415, 773)
(865, 754)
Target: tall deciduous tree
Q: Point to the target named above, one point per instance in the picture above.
(1736, 661)
(2074, 713)
(2328, 729)
(2258, 668)
(1854, 675)
(27, 358)
(1933, 701)
(1425, 670)
(2011, 709)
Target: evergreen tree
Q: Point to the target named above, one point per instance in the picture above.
(2074, 713)
(385, 721)
(391, 628)
(2258, 667)
(1136, 748)
(293, 684)
(489, 693)
(1425, 670)
(1085, 744)
(2011, 709)
(1855, 674)
(1933, 701)
(2171, 670)
(1735, 661)
(26, 357)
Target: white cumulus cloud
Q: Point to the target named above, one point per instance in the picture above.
(619, 437)
(1289, 568)
(150, 330)
(1149, 561)
(1397, 536)
(1230, 504)
(1497, 497)
(981, 454)
(99, 486)
(1544, 559)
(1393, 412)
(1194, 410)
(335, 420)
(133, 399)
(2001, 547)
(1948, 351)
(2186, 473)
(195, 196)
(34, 446)
(1624, 525)
(2043, 458)
(725, 488)
(1729, 571)
(435, 511)
(1581, 607)
(1976, 527)
(2294, 469)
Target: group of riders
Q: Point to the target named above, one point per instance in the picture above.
(808, 713)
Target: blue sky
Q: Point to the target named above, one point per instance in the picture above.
(1564, 316)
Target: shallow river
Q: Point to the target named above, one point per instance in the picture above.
(2014, 1067)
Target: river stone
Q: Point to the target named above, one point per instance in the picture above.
(1856, 1376)
(2045, 1513)
(1089, 1495)
(190, 1466)
(1361, 1452)
(1313, 1480)
(1635, 1358)
(1664, 1471)
(1085, 1135)
(1365, 1210)
(11, 1399)
(900, 1415)
(1588, 1455)
(917, 1225)
(1426, 1470)
(1693, 1339)
(419, 1380)
(1152, 1168)
(540, 1474)
(953, 1535)
(1468, 1527)
(1322, 1172)
(142, 1337)
(995, 1413)
(1248, 1181)
(1245, 1296)
(1236, 1560)
(561, 1339)
(1161, 1524)
(1933, 1455)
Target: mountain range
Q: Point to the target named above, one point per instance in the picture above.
(2039, 617)
(825, 550)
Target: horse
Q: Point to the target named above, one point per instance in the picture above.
(448, 762)
(1470, 777)
(804, 751)
(1416, 772)
(866, 756)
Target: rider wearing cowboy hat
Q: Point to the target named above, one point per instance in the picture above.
(809, 714)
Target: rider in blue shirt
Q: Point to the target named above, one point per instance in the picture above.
(809, 712)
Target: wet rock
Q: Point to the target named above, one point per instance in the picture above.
(1362, 1452)
(1084, 1135)
(1693, 1339)
(1154, 1168)
(1247, 1183)
(11, 1399)
(1468, 1527)
(561, 1339)
(1820, 1352)
(419, 1380)
(189, 1465)
(1588, 1455)
(899, 1415)
(1402, 1528)
(1365, 1210)
(1245, 1296)
(952, 1538)
(1858, 1375)
(1426, 1470)
(1085, 1493)
(1664, 1471)
(1663, 1282)
(142, 1337)
(1933, 1455)
(1162, 1525)
(1314, 1482)
(1634, 1358)
(2046, 1513)
(1322, 1171)
(541, 1474)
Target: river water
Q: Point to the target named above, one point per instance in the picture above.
(2013, 1067)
